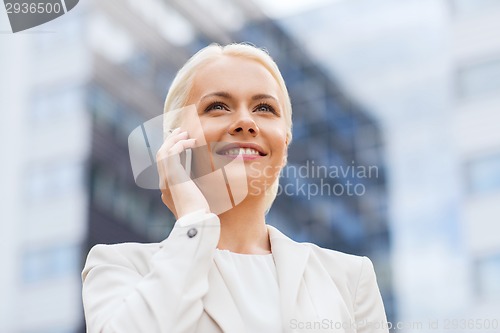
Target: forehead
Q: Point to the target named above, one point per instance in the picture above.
(235, 75)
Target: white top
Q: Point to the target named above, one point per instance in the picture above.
(252, 280)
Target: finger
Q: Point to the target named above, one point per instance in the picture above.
(173, 138)
(169, 142)
(169, 167)
(182, 145)
(172, 156)
(171, 134)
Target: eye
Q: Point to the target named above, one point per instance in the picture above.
(264, 107)
(216, 106)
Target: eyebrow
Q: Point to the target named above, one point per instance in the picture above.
(228, 96)
(263, 96)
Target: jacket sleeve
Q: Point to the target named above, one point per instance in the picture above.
(369, 309)
(118, 299)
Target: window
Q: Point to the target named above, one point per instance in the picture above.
(45, 180)
(109, 39)
(345, 223)
(178, 30)
(162, 80)
(141, 66)
(467, 7)
(65, 31)
(479, 80)
(127, 205)
(228, 15)
(128, 121)
(484, 174)
(159, 224)
(51, 262)
(487, 274)
(57, 103)
(103, 188)
(103, 106)
(169, 23)
(112, 114)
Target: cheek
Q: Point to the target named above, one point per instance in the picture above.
(211, 129)
(277, 137)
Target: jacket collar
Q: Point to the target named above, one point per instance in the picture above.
(290, 258)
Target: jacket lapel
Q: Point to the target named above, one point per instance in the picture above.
(219, 304)
(291, 259)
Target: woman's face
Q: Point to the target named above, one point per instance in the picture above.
(239, 106)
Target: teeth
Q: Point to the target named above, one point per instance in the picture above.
(241, 151)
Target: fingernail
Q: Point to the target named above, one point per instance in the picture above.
(171, 131)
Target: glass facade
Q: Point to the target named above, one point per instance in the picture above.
(486, 278)
(483, 174)
(479, 80)
(53, 104)
(332, 192)
(50, 262)
(46, 180)
(428, 72)
(472, 7)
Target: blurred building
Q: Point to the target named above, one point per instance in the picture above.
(429, 71)
(80, 88)
(45, 143)
(475, 87)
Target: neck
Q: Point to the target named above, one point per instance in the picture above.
(244, 230)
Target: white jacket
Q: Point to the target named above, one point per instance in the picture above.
(174, 286)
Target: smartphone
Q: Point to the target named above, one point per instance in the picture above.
(143, 143)
(187, 162)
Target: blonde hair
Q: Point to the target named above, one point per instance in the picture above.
(182, 84)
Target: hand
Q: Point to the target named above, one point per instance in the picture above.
(179, 193)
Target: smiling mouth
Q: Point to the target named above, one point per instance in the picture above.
(235, 150)
(241, 151)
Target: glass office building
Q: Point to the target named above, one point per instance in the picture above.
(333, 190)
(104, 72)
(430, 72)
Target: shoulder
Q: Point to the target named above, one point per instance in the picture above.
(338, 258)
(135, 256)
(339, 265)
(345, 269)
(355, 279)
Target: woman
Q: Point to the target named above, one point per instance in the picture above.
(229, 271)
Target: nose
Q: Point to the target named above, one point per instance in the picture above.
(244, 124)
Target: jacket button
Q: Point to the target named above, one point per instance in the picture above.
(192, 232)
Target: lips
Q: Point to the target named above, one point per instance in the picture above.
(241, 148)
